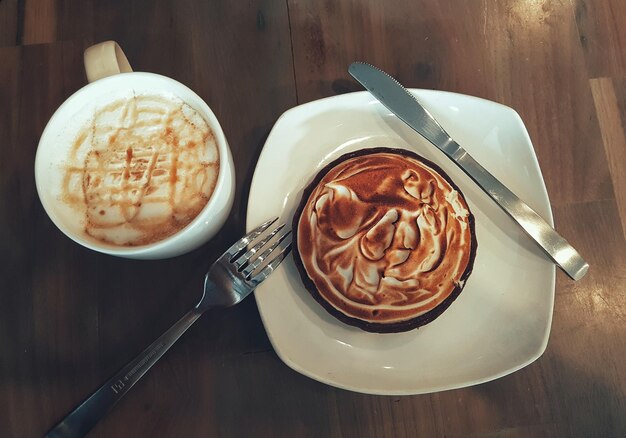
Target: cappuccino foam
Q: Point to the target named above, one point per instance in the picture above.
(141, 169)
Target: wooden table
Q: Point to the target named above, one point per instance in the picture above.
(69, 317)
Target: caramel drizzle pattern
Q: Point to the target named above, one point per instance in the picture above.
(129, 172)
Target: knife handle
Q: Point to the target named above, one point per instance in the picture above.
(551, 242)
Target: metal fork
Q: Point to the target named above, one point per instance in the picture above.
(229, 280)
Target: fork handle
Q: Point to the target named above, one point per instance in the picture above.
(84, 417)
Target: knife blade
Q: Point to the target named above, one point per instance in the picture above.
(408, 109)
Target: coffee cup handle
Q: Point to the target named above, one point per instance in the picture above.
(105, 59)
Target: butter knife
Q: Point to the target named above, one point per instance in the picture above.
(404, 105)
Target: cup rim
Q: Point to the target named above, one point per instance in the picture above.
(160, 245)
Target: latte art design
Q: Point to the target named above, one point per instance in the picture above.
(141, 170)
(385, 238)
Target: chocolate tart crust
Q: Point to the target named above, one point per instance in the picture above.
(394, 327)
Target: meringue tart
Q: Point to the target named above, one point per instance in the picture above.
(385, 241)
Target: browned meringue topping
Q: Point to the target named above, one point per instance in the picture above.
(385, 238)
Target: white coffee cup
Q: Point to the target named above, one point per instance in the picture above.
(109, 74)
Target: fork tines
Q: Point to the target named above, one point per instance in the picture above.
(263, 250)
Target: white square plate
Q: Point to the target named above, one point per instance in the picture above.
(500, 322)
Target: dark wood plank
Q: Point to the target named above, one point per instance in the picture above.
(14, 332)
(610, 101)
(40, 22)
(584, 360)
(9, 19)
(602, 36)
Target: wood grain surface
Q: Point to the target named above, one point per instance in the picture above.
(69, 317)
